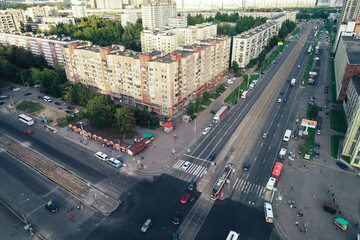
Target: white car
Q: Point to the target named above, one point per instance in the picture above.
(16, 89)
(47, 99)
(207, 129)
(186, 165)
(279, 100)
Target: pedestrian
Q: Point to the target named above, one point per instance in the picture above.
(328, 190)
(332, 194)
(334, 200)
(292, 188)
(357, 224)
(314, 196)
(71, 217)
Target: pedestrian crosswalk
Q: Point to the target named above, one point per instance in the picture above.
(244, 186)
(193, 169)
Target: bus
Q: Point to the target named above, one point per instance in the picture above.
(277, 170)
(25, 119)
(220, 182)
(287, 135)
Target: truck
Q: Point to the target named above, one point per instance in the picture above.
(313, 74)
(243, 95)
(293, 81)
(282, 153)
(220, 114)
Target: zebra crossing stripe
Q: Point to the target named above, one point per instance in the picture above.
(178, 164)
(235, 183)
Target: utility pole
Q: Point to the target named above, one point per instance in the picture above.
(82, 130)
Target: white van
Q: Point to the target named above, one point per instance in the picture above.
(287, 135)
(251, 86)
(271, 183)
(282, 153)
(101, 156)
(243, 95)
(269, 216)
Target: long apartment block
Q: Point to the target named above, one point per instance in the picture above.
(49, 47)
(11, 19)
(249, 44)
(160, 83)
(168, 39)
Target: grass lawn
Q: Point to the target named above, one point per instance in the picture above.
(295, 32)
(221, 89)
(215, 95)
(335, 145)
(333, 83)
(309, 142)
(338, 120)
(29, 107)
(243, 86)
(207, 103)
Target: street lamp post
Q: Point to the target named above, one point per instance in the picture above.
(25, 218)
(22, 79)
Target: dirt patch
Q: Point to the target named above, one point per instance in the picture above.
(52, 114)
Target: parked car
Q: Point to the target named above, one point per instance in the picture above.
(342, 165)
(47, 99)
(316, 154)
(234, 102)
(27, 94)
(213, 112)
(41, 97)
(57, 103)
(185, 198)
(51, 207)
(1, 103)
(317, 146)
(3, 97)
(115, 162)
(146, 225)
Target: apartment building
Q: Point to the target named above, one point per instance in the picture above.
(158, 41)
(156, 13)
(351, 144)
(129, 16)
(178, 22)
(346, 64)
(160, 83)
(49, 47)
(11, 19)
(79, 11)
(168, 39)
(249, 44)
(45, 11)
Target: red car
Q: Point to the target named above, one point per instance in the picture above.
(185, 197)
(29, 132)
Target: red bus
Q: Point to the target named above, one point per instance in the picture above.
(277, 170)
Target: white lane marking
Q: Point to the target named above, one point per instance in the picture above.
(264, 161)
(235, 183)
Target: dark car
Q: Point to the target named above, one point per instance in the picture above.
(316, 154)
(57, 103)
(191, 186)
(246, 166)
(211, 157)
(27, 94)
(70, 107)
(311, 103)
(234, 102)
(317, 146)
(213, 112)
(1, 103)
(342, 165)
(320, 109)
(282, 93)
(41, 97)
(285, 100)
(51, 207)
(68, 112)
(176, 219)
(11, 87)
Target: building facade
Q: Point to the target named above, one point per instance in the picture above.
(129, 16)
(79, 11)
(168, 39)
(249, 44)
(351, 144)
(45, 11)
(178, 22)
(156, 13)
(158, 82)
(347, 64)
(49, 47)
(350, 11)
(11, 19)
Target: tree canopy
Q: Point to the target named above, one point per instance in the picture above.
(78, 94)
(100, 111)
(124, 120)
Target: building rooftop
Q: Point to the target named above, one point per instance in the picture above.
(352, 48)
(40, 36)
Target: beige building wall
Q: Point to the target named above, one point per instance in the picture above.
(351, 144)
(156, 14)
(249, 44)
(11, 19)
(161, 83)
(158, 41)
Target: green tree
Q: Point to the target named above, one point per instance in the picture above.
(206, 96)
(100, 111)
(124, 120)
(142, 117)
(238, 73)
(191, 109)
(78, 93)
(246, 79)
(235, 66)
